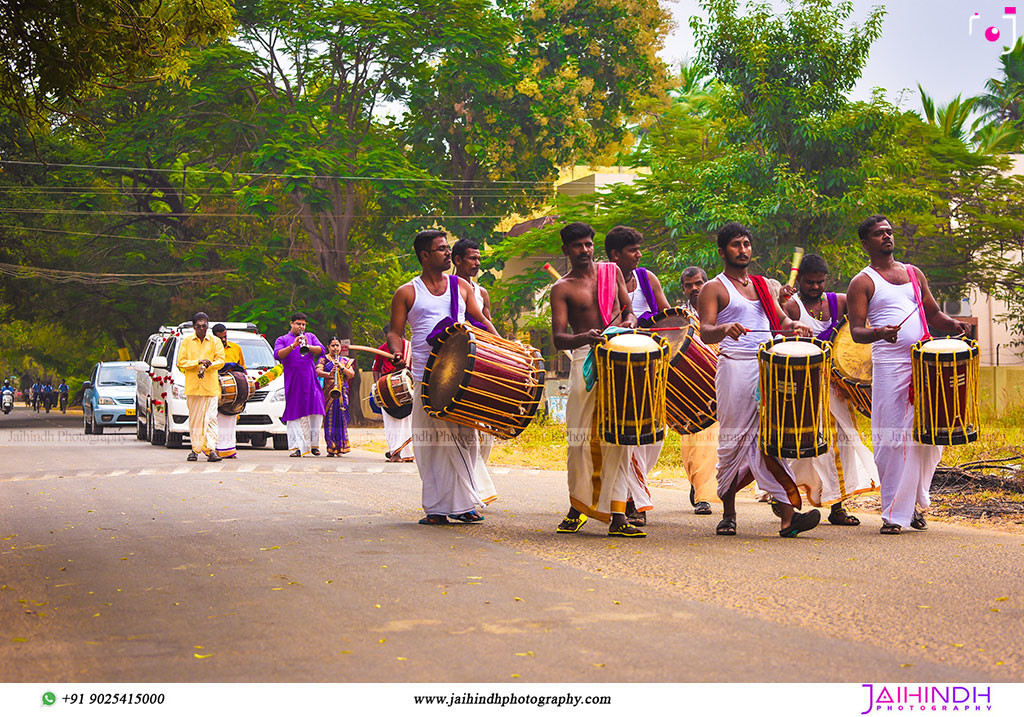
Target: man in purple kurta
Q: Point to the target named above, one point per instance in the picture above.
(303, 399)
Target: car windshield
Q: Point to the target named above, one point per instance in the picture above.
(116, 376)
(257, 354)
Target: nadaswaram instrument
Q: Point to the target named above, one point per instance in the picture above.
(851, 369)
(336, 387)
(234, 392)
(945, 382)
(690, 390)
(795, 420)
(632, 373)
(393, 393)
(303, 346)
(480, 380)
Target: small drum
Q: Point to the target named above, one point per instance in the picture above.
(480, 380)
(851, 369)
(795, 420)
(234, 392)
(393, 393)
(945, 391)
(690, 399)
(632, 372)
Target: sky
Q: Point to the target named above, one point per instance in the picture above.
(923, 41)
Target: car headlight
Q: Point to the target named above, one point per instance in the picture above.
(177, 391)
(105, 401)
(277, 395)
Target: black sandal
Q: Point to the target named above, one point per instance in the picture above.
(726, 526)
(890, 529)
(315, 451)
(468, 517)
(435, 520)
(571, 525)
(841, 517)
(626, 531)
(637, 518)
(918, 522)
(801, 522)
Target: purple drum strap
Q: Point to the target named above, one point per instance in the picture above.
(833, 311)
(646, 290)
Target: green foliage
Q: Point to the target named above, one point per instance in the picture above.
(58, 53)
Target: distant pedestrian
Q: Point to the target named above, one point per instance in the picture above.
(63, 390)
(199, 358)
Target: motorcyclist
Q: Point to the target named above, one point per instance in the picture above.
(63, 390)
(7, 388)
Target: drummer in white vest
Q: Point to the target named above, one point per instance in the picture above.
(734, 310)
(466, 260)
(885, 294)
(848, 468)
(622, 246)
(455, 480)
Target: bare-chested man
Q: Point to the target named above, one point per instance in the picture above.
(731, 307)
(584, 302)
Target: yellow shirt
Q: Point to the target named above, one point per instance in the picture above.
(233, 354)
(192, 351)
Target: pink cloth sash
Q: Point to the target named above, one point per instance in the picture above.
(607, 290)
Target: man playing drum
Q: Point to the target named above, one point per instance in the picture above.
(622, 246)
(584, 302)
(226, 423)
(466, 260)
(886, 294)
(397, 431)
(699, 451)
(455, 480)
(847, 468)
(734, 310)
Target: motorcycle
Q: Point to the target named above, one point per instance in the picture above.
(7, 402)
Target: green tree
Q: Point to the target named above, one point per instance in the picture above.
(58, 53)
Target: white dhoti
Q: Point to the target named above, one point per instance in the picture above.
(642, 460)
(455, 479)
(226, 435)
(846, 469)
(202, 422)
(699, 453)
(597, 470)
(486, 444)
(905, 467)
(304, 432)
(397, 431)
(736, 386)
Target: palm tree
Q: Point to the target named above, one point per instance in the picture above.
(1003, 100)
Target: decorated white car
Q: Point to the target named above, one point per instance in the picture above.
(163, 412)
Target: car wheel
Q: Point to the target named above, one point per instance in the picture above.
(156, 437)
(140, 427)
(280, 443)
(88, 425)
(96, 429)
(259, 441)
(173, 439)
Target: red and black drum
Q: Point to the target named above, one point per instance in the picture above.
(483, 381)
(945, 375)
(690, 394)
(393, 393)
(235, 390)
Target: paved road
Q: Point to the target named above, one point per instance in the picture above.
(121, 562)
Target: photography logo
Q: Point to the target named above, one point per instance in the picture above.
(927, 698)
(993, 33)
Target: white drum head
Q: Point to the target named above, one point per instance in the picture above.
(795, 348)
(632, 343)
(944, 346)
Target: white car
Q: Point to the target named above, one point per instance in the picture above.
(166, 412)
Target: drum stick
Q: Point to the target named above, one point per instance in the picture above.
(907, 317)
(798, 254)
(398, 451)
(385, 354)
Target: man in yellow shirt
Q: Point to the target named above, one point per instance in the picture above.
(199, 358)
(226, 424)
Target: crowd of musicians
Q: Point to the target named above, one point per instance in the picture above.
(599, 304)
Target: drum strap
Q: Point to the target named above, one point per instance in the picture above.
(767, 302)
(917, 297)
(607, 290)
(644, 282)
(833, 310)
(453, 312)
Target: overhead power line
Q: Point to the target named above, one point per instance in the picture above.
(62, 276)
(271, 175)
